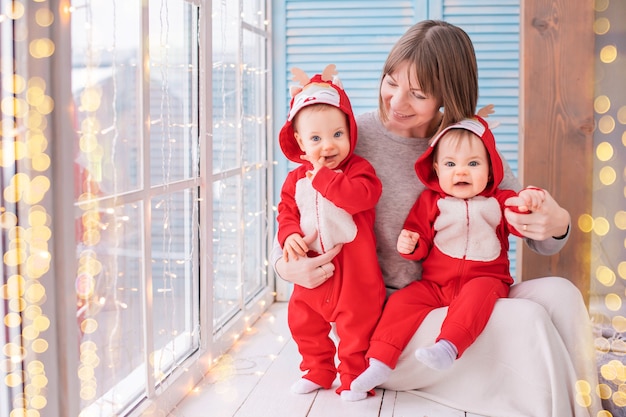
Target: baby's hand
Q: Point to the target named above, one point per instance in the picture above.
(294, 247)
(407, 241)
(529, 200)
(317, 163)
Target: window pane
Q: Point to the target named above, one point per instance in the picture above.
(254, 12)
(255, 232)
(174, 280)
(226, 250)
(108, 289)
(254, 92)
(119, 197)
(173, 91)
(106, 80)
(226, 94)
(240, 166)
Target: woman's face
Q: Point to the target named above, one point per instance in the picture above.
(411, 113)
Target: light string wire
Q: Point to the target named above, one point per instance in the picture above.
(167, 292)
(118, 222)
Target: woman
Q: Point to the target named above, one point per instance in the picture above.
(537, 345)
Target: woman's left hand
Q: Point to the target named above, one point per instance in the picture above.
(551, 220)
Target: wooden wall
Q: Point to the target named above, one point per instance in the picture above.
(556, 123)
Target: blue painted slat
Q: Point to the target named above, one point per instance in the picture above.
(333, 4)
(352, 13)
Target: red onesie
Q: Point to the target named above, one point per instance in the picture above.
(340, 206)
(463, 244)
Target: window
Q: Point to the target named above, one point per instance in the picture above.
(149, 183)
(136, 202)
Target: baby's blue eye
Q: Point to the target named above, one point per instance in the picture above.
(316, 138)
(338, 134)
(449, 164)
(473, 164)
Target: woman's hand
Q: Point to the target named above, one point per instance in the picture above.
(550, 220)
(308, 272)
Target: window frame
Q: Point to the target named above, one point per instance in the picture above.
(63, 296)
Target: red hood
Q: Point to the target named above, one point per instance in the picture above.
(315, 92)
(478, 126)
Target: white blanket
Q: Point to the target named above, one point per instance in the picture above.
(519, 366)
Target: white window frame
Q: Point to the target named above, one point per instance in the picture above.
(62, 357)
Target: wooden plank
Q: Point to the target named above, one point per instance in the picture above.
(237, 373)
(328, 403)
(271, 396)
(388, 404)
(223, 389)
(409, 404)
(556, 123)
(255, 377)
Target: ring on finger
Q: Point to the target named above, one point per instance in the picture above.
(325, 273)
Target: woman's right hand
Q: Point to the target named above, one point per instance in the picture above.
(308, 272)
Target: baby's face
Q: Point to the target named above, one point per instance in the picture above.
(323, 134)
(462, 164)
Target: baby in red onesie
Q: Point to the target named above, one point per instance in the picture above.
(458, 230)
(332, 195)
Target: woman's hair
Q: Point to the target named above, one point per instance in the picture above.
(442, 58)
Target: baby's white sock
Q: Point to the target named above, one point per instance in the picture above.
(374, 375)
(439, 356)
(304, 386)
(348, 395)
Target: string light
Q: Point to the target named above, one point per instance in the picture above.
(606, 223)
(24, 216)
(101, 283)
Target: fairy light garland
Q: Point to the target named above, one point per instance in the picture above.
(25, 218)
(25, 108)
(607, 222)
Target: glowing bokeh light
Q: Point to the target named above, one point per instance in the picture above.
(607, 175)
(605, 276)
(606, 124)
(604, 151)
(601, 226)
(601, 26)
(608, 54)
(602, 104)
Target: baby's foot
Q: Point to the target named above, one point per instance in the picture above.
(348, 395)
(439, 356)
(373, 376)
(304, 386)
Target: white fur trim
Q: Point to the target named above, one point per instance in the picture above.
(467, 228)
(334, 225)
(314, 94)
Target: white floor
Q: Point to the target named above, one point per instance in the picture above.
(253, 380)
